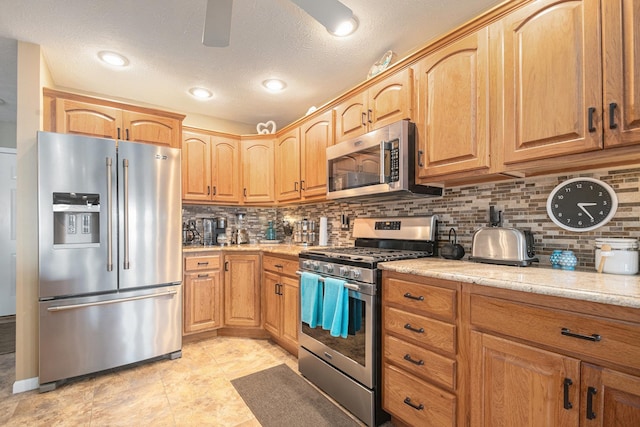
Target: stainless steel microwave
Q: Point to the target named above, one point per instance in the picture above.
(379, 163)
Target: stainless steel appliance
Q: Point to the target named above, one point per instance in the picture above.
(503, 245)
(349, 369)
(109, 225)
(212, 229)
(381, 162)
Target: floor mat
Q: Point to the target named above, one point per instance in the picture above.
(279, 397)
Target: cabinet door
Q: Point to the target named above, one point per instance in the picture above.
(290, 297)
(150, 129)
(271, 300)
(351, 117)
(242, 290)
(453, 108)
(87, 119)
(390, 100)
(202, 301)
(609, 398)
(287, 157)
(621, 41)
(315, 136)
(226, 169)
(552, 80)
(258, 170)
(517, 385)
(196, 166)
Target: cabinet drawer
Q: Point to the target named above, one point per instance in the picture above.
(197, 263)
(430, 300)
(428, 332)
(431, 406)
(421, 362)
(605, 339)
(280, 265)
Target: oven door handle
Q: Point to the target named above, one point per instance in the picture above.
(350, 286)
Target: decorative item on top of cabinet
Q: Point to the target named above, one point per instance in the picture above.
(421, 350)
(281, 294)
(257, 156)
(385, 102)
(202, 292)
(83, 115)
(453, 110)
(242, 289)
(301, 172)
(562, 93)
(210, 167)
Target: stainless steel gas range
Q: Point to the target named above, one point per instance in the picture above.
(349, 369)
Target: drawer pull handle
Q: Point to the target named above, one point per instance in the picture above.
(408, 358)
(419, 331)
(567, 384)
(408, 295)
(203, 263)
(278, 265)
(419, 407)
(592, 337)
(203, 275)
(591, 391)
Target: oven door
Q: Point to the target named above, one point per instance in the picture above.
(352, 355)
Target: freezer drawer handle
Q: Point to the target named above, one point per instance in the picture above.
(109, 217)
(90, 304)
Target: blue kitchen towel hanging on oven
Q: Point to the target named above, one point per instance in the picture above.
(311, 299)
(335, 307)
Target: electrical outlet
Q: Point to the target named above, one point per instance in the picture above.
(344, 222)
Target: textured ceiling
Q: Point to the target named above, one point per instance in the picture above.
(269, 39)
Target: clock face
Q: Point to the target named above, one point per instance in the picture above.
(582, 204)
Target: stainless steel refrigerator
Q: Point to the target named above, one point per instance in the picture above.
(110, 254)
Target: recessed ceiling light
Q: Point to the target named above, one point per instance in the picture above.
(345, 28)
(274, 85)
(200, 93)
(113, 58)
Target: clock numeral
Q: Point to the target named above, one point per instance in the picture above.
(578, 185)
(599, 193)
(559, 214)
(567, 190)
(560, 197)
(579, 222)
(604, 203)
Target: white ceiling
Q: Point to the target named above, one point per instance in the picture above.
(269, 38)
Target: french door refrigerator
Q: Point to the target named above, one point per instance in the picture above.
(110, 269)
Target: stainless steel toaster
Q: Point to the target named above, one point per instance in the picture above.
(502, 245)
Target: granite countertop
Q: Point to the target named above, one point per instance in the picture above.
(622, 290)
(279, 248)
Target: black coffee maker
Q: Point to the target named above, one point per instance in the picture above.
(214, 231)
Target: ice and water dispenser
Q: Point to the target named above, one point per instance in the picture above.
(76, 219)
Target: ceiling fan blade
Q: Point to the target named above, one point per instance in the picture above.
(217, 23)
(330, 13)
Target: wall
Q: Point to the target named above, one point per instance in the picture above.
(8, 134)
(523, 202)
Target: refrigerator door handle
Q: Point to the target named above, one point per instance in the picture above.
(109, 217)
(112, 301)
(126, 212)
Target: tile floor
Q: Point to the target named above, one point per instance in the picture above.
(195, 390)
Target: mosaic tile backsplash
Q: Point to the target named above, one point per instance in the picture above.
(522, 202)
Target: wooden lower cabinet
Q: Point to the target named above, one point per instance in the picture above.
(281, 295)
(610, 398)
(242, 289)
(202, 304)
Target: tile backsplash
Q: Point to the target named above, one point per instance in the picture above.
(522, 202)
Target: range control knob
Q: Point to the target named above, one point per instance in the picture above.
(306, 264)
(355, 273)
(315, 265)
(328, 268)
(343, 272)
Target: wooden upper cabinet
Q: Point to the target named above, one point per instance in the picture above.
(287, 159)
(552, 79)
(315, 136)
(150, 129)
(258, 169)
(453, 108)
(621, 41)
(82, 115)
(83, 118)
(386, 101)
(226, 170)
(196, 166)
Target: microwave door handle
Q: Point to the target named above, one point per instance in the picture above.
(382, 165)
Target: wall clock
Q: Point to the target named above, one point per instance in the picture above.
(582, 204)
